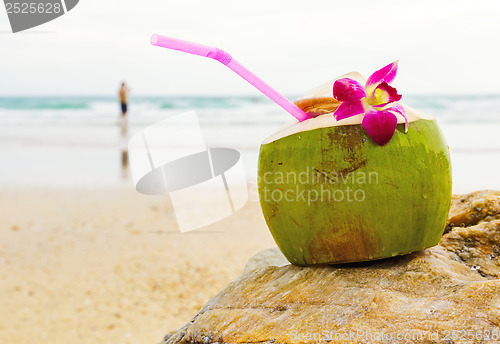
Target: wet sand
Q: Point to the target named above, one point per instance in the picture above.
(109, 266)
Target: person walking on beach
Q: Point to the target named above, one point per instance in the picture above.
(123, 94)
(123, 100)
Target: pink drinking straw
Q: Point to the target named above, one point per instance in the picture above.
(235, 66)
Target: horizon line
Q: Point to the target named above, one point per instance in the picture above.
(216, 95)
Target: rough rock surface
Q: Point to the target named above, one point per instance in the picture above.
(446, 294)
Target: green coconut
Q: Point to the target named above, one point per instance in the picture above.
(330, 194)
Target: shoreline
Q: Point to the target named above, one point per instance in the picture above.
(69, 156)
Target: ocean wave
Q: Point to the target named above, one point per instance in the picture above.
(202, 103)
(15, 103)
(236, 110)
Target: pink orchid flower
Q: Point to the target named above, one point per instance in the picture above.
(377, 100)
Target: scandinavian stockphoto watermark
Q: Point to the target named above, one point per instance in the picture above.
(171, 158)
(362, 336)
(26, 14)
(314, 185)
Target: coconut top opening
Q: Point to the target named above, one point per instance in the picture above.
(320, 104)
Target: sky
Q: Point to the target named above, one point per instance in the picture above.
(443, 47)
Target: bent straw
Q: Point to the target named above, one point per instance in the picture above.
(226, 59)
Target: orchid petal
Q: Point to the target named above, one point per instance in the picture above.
(346, 89)
(349, 109)
(380, 125)
(383, 95)
(387, 74)
(399, 109)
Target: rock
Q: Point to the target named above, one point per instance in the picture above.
(467, 210)
(449, 293)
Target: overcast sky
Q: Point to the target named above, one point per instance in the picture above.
(443, 46)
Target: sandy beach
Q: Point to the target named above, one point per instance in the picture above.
(110, 266)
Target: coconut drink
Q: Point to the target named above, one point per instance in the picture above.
(366, 178)
(357, 176)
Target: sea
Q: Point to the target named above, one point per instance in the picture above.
(79, 142)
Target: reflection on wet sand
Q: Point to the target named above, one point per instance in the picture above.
(125, 164)
(124, 148)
